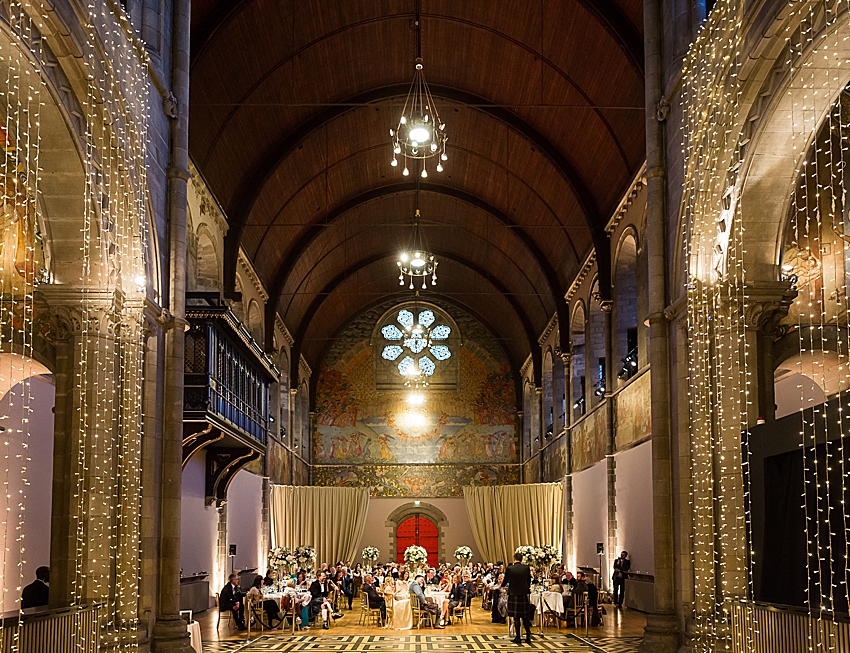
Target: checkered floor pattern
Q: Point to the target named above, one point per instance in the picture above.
(423, 644)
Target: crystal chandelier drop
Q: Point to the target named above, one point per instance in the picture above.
(420, 134)
(416, 261)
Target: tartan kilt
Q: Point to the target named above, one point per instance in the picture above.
(520, 606)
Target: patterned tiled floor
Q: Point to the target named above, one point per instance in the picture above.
(423, 644)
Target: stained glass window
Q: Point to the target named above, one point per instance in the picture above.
(426, 318)
(405, 365)
(426, 365)
(440, 352)
(405, 318)
(441, 332)
(391, 352)
(416, 344)
(391, 332)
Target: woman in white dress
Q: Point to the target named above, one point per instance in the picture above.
(402, 614)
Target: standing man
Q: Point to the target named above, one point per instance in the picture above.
(621, 568)
(518, 580)
(37, 593)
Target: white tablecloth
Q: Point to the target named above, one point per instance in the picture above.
(553, 601)
(194, 629)
(438, 597)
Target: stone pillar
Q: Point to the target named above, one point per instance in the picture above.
(265, 523)
(85, 477)
(520, 425)
(610, 463)
(566, 358)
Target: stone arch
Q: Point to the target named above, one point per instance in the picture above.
(421, 509)
(548, 380)
(578, 364)
(254, 320)
(208, 260)
(625, 295)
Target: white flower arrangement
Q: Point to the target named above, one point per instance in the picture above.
(305, 556)
(463, 554)
(415, 556)
(371, 553)
(277, 557)
(539, 557)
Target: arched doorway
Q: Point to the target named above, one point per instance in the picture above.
(420, 531)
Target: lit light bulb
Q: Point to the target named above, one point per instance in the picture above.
(439, 167)
(416, 399)
(443, 157)
(405, 172)
(140, 280)
(403, 120)
(404, 257)
(419, 134)
(397, 150)
(394, 163)
(433, 147)
(424, 173)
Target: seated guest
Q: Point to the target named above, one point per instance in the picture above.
(36, 593)
(375, 600)
(231, 599)
(446, 584)
(457, 593)
(417, 599)
(290, 599)
(431, 577)
(270, 606)
(320, 604)
(301, 579)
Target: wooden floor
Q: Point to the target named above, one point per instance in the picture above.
(617, 624)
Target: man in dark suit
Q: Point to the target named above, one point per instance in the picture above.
(621, 569)
(320, 603)
(36, 593)
(518, 580)
(375, 599)
(231, 599)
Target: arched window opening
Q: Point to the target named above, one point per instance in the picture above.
(596, 347)
(579, 362)
(548, 397)
(626, 310)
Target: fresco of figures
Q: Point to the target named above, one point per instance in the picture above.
(367, 437)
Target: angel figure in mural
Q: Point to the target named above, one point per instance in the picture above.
(447, 448)
(386, 453)
(485, 477)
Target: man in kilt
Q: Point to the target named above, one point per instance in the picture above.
(518, 580)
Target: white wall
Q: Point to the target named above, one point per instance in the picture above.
(245, 520)
(634, 506)
(199, 523)
(37, 491)
(590, 511)
(456, 533)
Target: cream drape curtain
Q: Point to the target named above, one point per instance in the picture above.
(328, 518)
(507, 516)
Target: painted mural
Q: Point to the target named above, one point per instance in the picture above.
(369, 437)
(634, 415)
(416, 480)
(588, 437)
(553, 461)
(279, 463)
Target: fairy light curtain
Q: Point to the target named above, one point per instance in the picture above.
(103, 321)
(723, 320)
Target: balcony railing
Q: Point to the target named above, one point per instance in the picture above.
(227, 375)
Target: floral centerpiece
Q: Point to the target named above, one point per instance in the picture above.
(541, 558)
(548, 556)
(415, 557)
(463, 554)
(529, 555)
(305, 556)
(280, 559)
(370, 554)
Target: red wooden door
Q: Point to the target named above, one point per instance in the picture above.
(420, 531)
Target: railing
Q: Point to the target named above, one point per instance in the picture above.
(760, 628)
(68, 630)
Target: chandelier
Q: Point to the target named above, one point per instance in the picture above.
(420, 134)
(416, 261)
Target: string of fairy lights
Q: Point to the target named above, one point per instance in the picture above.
(105, 468)
(721, 355)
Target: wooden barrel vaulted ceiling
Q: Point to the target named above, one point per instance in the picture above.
(291, 106)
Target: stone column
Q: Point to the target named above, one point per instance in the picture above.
(569, 530)
(566, 358)
(85, 426)
(520, 425)
(610, 463)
